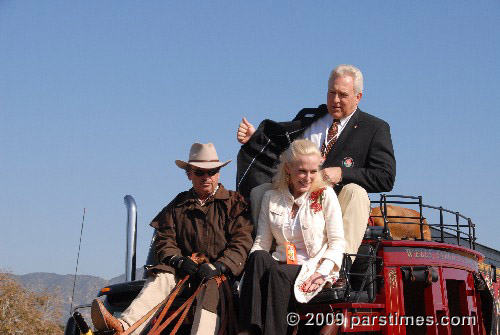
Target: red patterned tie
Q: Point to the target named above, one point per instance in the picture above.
(331, 138)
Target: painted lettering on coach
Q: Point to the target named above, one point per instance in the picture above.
(424, 256)
(441, 255)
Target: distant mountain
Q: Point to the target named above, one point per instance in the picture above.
(61, 286)
(139, 272)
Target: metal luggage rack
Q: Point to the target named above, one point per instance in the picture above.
(461, 232)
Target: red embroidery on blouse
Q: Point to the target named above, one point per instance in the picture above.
(316, 200)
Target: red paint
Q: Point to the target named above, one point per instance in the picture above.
(453, 293)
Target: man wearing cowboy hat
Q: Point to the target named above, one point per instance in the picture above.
(208, 219)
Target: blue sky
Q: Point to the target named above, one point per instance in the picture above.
(98, 98)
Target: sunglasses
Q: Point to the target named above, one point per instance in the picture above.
(201, 173)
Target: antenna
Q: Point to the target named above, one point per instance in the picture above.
(77, 259)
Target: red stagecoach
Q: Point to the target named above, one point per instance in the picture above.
(438, 283)
(444, 285)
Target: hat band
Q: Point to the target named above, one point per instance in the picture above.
(201, 161)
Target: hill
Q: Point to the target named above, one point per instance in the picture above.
(61, 287)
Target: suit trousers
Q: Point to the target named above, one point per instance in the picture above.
(356, 207)
(267, 294)
(155, 290)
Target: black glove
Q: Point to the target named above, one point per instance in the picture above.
(209, 270)
(185, 265)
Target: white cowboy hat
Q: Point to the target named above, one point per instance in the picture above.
(202, 156)
(306, 271)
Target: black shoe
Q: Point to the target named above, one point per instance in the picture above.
(341, 283)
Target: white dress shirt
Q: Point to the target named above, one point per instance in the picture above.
(318, 130)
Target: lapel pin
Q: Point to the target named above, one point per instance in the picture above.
(348, 162)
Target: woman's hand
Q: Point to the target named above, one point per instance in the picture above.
(313, 283)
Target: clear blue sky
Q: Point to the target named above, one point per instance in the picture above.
(98, 98)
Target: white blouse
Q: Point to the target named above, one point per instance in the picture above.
(318, 221)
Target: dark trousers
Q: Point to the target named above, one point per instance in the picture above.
(267, 294)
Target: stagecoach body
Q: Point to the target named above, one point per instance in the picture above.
(417, 288)
(447, 284)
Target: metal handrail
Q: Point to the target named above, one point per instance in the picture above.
(456, 232)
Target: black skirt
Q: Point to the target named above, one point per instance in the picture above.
(267, 295)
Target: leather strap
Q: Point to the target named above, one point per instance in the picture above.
(186, 309)
(160, 322)
(225, 292)
(160, 326)
(168, 300)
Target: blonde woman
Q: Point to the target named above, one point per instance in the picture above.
(302, 214)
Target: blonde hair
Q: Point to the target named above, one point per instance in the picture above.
(291, 155)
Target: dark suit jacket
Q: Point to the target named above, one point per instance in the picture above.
(363, 151)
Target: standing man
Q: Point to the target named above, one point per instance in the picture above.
(356, 147)
(208, 219)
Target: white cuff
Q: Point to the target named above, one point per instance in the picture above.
(326, 267)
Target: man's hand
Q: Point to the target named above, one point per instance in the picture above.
(313, 283)
(333, 174)
(209, 270)
(185, 265)
(245, 131)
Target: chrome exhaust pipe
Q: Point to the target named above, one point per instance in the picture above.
(130, 256)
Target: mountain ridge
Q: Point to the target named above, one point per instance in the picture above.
(61, 287)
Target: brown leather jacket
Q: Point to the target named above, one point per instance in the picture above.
(221, 229)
